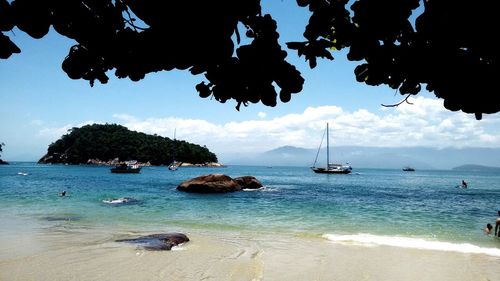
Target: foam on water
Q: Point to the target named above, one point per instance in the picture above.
(263, 189)
(368, 240)
(254, 189)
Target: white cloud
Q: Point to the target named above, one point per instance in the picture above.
(262, 115)
(54, 133)
(425, 123)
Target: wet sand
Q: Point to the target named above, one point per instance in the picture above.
(62, 253)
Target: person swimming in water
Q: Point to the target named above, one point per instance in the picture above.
(488, 229)
(464, 184)
(63, 193)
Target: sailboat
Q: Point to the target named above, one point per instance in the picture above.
(330, 168)
(174, 165)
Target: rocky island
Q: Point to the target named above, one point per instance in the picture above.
(110, 144)
(477, 168)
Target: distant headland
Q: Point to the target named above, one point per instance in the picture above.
(476, 168)
(109, 144)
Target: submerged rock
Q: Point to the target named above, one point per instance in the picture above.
(158, 242)
(63, 218)
(218, 183)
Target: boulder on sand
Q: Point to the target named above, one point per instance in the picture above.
(158, 242)
(218, 183)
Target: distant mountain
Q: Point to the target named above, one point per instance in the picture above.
(476, 168)
(374, 157)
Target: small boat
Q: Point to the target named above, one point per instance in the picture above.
(126, 168)
(408, 169)
(331, 168)
(174, 164)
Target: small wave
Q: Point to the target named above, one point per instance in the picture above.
(263, 189)
(121, 201)
(412, 243)
(254, 189)
(179, 247)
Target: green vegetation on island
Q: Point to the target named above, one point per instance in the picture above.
(1, 161)
(110, 141)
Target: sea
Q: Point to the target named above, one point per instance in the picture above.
(425, 209)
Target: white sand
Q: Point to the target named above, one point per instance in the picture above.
(79, 254)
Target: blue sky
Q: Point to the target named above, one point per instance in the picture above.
(39, 103)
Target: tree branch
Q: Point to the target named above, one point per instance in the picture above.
(394, 105)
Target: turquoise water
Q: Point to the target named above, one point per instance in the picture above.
(422, 204)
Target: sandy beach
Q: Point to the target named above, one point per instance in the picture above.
(61, 253)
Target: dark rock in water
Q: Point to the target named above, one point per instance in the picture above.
(212, 183)
(248, 182)
(62, 218)
(3, 162)
(158, 242)
(218, 183)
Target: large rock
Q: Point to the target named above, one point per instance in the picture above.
(248, 182)
(212, 183)
(218, 183)
(158, 242)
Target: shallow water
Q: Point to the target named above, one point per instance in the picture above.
(368, 203)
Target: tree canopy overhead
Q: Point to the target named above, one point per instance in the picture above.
(451, 49)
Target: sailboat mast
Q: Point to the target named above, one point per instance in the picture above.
(327, 147)
(174, 148)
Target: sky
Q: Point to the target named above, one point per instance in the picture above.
(39, 103)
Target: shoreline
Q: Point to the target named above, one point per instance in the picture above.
(65, 251)
(97, 162)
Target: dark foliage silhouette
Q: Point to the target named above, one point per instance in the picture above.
(1, 161)
(451, 49)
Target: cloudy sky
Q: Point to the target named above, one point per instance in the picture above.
(423, 123)
(39, 103)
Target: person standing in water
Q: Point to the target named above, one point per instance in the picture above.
(497, 225)
(464, 184)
